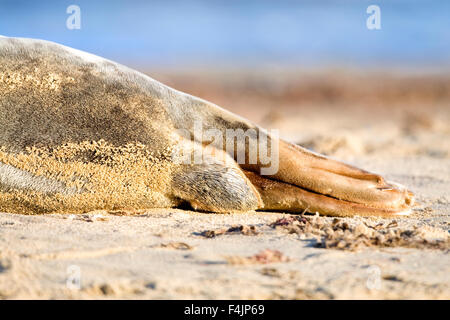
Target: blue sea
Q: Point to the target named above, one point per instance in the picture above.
(413, 33)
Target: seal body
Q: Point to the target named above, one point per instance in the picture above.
(81, 133)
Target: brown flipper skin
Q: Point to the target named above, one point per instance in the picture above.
(281, 196)
(329, 177)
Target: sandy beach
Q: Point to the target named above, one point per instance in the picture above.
(395, 124)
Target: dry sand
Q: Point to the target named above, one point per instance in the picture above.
(387, 124)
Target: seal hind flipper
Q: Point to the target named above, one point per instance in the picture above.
(281, 196)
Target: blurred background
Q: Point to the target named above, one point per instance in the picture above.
(312, 69)
(240, 33)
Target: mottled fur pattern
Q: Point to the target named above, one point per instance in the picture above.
(81, 133)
